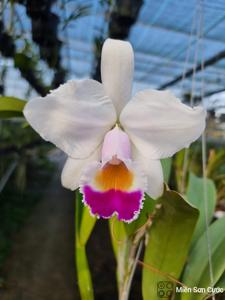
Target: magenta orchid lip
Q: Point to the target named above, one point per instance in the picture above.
(126, 205)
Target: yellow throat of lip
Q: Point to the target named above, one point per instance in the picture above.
(114, 176)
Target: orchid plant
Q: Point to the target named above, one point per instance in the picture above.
(114, 142)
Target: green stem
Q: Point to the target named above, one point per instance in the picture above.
(127, 263)
(128, 255)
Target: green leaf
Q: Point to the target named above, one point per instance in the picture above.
(166, 165)
(83, 274)
(197, 270)
(11, 107)
(10, 114)
(221, 282)
(169, 240)
(23, 62)
(82, 219)
(87, 225)
(195, 195)
(85, 222)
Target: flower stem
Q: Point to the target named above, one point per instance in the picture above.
(125, 289)
(128, 256)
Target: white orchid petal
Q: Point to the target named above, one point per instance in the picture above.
(160, 125)
(117, 65)
(75, 117)
(153, 171)
(73, 169)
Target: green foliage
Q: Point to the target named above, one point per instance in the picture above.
(168, 242)
(84, 221)
(216, 163)
(216, 171)
(11, 107)
(23, 62)
(83, 274)
(195, 195)
(19, 141)
(84, 224)
(221, 282)
(166, 165)
(197, 270)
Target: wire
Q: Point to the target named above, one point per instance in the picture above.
(198, 35)
(205, 196)
(187, 58)
(157, 15)
(182, 50)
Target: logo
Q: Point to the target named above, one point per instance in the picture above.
(165, 289)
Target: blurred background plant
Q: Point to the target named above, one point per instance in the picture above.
(44, 43)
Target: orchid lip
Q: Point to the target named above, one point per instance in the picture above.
(130, 211)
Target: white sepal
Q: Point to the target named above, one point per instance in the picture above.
(117, 66)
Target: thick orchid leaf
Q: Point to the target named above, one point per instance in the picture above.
(11, 107)
(84, 224)
(197, 270)
(87, 225)
(168, 243)
(83, 273)
(166, 165)
(221, 282)
(10, 114)
(195, 195)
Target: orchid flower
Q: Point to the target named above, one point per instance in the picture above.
(114, 142)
